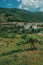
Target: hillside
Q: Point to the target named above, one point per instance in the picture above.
(11, 15)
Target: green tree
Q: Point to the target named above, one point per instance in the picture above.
(33, 41)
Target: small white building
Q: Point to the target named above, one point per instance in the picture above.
(34, 27)
(27, 26)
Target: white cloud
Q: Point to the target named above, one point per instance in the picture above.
(28, 4)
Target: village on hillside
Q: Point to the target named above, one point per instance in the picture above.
(35, 27)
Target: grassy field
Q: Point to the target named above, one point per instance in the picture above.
(13, 54)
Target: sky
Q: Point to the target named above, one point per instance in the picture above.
(30, 5)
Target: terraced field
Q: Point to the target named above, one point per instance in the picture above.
(13, 51)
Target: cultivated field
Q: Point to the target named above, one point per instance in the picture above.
(17, 51)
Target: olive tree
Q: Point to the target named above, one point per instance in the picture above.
(33, 41)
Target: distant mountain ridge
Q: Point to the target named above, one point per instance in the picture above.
(18, 15)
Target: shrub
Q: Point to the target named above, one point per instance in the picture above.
(20, 42)
(15, 57)
(24, 36)
(40, 42)
(33, 41)
(1, 45)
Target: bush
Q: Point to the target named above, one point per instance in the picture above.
(20, 42)
(40, 42)
(1, 45)
(15, 57)
(23, 36)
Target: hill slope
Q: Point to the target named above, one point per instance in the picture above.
(20, 15)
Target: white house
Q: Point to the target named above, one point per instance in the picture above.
(27, 26)
(34, 27)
